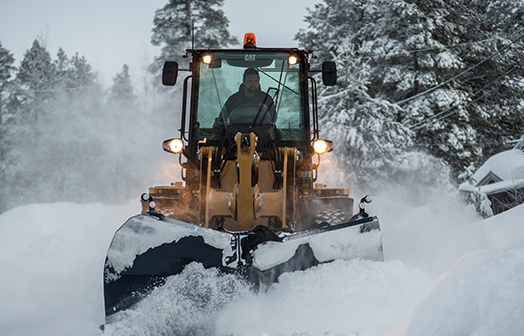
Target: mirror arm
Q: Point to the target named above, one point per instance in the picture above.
(317, 71)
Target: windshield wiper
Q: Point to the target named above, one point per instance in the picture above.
(276, 80)
(267, 108)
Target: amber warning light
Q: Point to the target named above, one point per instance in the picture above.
(250, 40)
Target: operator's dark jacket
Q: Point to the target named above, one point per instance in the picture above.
(238, 99)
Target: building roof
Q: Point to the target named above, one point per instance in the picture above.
(502, 171)
(507, 165)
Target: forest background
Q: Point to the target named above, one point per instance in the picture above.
(426, 90)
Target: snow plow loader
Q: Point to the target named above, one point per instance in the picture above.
(248, 202)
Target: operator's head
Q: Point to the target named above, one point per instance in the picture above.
(251, 81)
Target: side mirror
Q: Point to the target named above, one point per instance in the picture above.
(329, 73)
(169, 73)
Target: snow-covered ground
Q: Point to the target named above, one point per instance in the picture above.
(447, 272)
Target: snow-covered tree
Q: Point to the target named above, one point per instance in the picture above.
(37, 72)
(74, 117)
(414, 47)
(81, 73)
(486, 113)
(37, 81)
(394, 39)
(62, 67)
(122, 89)
(26, 106)
(6, 70)
(50, 140)
(75, 78)
(497, 109)
(467, 174)
(63, 141)
(481, 202)
(174, 24)
(369, 141)
(6, 66)
(367, 135)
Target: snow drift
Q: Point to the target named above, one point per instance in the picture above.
(52, 258)
(480, 295)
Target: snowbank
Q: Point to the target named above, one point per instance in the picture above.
(480, 295)
(435, 235)
(52, 257)
(51, 266)
(339, 298)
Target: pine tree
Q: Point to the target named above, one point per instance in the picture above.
(427, 62)
(73, 118)
(413, 46)
(38, 83)
(74, 72)
(368, 138)
(486, 112)
(173, 25)
(27, 105)
(370, 143)
(6, 66)
(62, 67)
(122, 89)
(6, 70)
(57, 111)
(82, 74)
(497, 109)
(37, 72)
(374, 143)
(63, 141)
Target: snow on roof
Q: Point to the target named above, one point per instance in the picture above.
(494, 188)
(507, 166)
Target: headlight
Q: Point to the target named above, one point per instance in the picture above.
(175, 146)
(322, 146)
(292, 59)
(207, 59)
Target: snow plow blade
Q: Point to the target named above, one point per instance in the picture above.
(147, 249)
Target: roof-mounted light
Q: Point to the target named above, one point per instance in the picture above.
(250, 40)
(175, 146)
(292, 59)
(322, 146)
(207, 59)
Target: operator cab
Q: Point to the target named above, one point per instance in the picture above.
(221, 76)
(217, 74)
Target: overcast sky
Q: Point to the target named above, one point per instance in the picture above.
(111, 33)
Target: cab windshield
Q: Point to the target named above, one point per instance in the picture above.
(223, 77)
